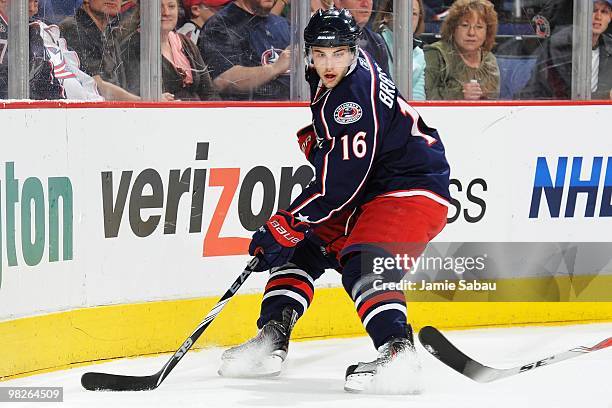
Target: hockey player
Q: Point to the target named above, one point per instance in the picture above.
(381, 183)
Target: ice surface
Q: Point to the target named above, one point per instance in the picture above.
(314, 376)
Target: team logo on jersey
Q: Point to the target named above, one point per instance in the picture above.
(348, 112)
(364, 63)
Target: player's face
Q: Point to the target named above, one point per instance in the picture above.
(360, 9)
(470, 33)
(106, 7)
(331, 64)
(3, 6)
(601, 17)
(169, 15)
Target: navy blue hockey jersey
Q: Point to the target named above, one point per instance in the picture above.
(370, 143)
(234, 36)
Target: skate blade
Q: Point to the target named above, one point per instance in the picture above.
(357, 383)
(400, 377)
(270, 366)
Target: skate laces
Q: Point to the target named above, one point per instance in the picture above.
(268, 339)
(276, 332)
(272, 337)
(392, 348)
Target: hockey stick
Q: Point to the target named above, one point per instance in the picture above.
(447, 353)
(114, 382)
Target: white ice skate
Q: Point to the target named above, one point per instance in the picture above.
(395, 371)
(263, 355)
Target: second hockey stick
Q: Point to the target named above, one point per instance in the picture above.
(445, 351)
(115, 382)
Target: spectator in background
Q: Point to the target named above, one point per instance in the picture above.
(552, 75)
(72, 82)
(370, 41)
(247, 50)
(461, 65)
(53, 70)
(184, 74)
(601, 61)
(32, 8)
(199, 12)
(90, 33)
(383, 24)
(42, 79)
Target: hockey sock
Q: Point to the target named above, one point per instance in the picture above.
(287, 286)
(382, 312)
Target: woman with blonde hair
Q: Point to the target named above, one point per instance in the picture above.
(461, 65)
(383, 24)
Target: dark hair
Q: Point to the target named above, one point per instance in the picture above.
(462, 8)
(384, 16)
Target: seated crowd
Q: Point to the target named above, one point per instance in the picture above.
(240, 49)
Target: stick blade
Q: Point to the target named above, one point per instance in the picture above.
(111, 382)
(441, 348)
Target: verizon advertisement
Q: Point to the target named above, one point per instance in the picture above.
(107, 206)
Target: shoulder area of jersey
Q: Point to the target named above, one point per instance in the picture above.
(385, 87)
(363, 62)
(368, 66)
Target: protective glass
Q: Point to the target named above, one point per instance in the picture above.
(247, 53)
(529, 54)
